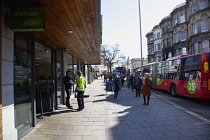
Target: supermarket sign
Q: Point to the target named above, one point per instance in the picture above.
(27, 19)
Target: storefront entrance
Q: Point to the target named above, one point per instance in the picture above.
(44, 79)
(35, 81)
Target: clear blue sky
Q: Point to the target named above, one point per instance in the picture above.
(121, 22)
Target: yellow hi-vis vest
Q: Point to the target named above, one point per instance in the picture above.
(80, 83)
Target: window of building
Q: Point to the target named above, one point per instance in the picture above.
(203, 4)
(182, 19)
(164, 30)
(158, 35)
(169, 54)
(195, 28)
(194, 8)
(177, 52)
(184, 51)
(154, 36)
(158, 47)
(176, 37)
(205, 46)
(195, 48)
(175, 21)
(168, 29)
(151, 40)
(183, 35)
(149, 60)
(169, 42)
(150, 51)
(159, 58)
(204, 25)
(165, 43)
(166, 57)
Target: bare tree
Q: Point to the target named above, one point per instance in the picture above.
(111, 55)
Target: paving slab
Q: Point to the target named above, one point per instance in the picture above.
(124, 118)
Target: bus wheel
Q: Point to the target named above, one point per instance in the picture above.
(173, 90)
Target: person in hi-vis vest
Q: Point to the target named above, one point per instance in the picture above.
(80, 88)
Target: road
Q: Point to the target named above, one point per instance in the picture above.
(196, 106)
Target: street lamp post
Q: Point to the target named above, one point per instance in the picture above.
(140, 37)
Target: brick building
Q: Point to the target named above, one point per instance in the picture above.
(185, 31)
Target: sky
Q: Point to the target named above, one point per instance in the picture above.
(120, 22)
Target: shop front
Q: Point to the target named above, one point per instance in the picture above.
(37, 46)
(37, 80)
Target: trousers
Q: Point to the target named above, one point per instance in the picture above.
(80, 99)
(68, 93)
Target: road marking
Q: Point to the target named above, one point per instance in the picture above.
(182, 108)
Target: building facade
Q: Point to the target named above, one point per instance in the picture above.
(185, 31)
(134, 64)
(167, 36)
(150, 44)
(51, 38)
(157, 36)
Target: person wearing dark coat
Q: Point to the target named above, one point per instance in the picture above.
(122, 79)
(110, 77)
(68, 85)
(138, 85)
(116, 86)
(132, 79)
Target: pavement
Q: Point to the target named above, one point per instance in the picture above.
(124, 118)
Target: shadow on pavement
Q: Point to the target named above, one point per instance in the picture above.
(128, 119)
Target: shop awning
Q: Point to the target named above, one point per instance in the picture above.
(71, 24)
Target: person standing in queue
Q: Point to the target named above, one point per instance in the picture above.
(128, 81)
(68, 85)
(80, 88)
(105, 78)
(132, 80)
(122, 79)
(116, 85)
(138, 85)
(146, 89)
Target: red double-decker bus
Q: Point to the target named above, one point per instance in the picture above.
(186, 75)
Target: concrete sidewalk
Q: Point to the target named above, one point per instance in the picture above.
(125, 118)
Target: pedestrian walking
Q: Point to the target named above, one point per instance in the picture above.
(146, 89)
(122, 79)
(138, 85)
(105, 78)
(110, 77)
(132, 79)
(128, 81)
(68, 85)
(116, 86)
(80, 88)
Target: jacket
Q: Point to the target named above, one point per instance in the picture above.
(67, 82)
(146, 87)
(80, 83)
(138, 83)
(116, 84)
